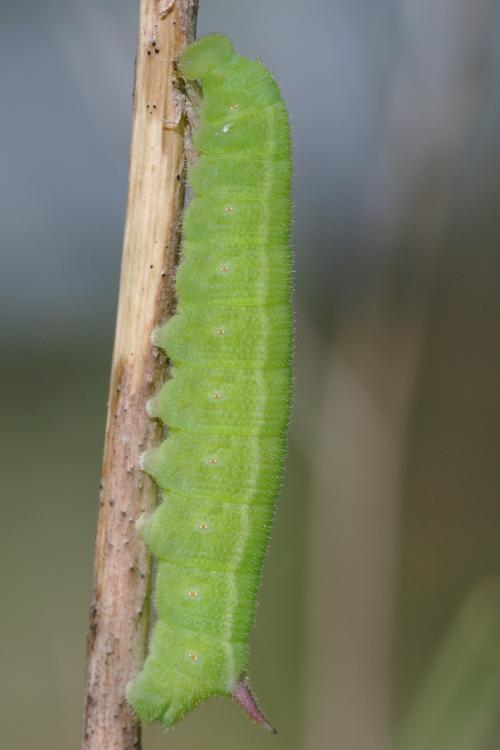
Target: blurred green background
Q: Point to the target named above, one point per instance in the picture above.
(390, 514)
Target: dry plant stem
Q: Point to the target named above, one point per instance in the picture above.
(119, 611)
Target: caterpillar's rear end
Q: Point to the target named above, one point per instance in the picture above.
(227, 403)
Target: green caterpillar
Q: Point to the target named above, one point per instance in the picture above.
(227, 403)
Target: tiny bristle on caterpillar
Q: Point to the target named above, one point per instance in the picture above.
(227, 401)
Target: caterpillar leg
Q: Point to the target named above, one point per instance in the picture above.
(186, 106)
(179, 111)
(193, 100)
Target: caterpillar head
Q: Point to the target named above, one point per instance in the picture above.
(203, 55)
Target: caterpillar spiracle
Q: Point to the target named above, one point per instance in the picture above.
(227, 402)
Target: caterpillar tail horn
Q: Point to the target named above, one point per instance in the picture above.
(243, 695)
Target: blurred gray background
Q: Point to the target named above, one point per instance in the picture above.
(390, 512)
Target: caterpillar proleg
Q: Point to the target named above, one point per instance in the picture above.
(227, 402)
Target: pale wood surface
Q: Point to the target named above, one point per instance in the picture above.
(120, 608)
